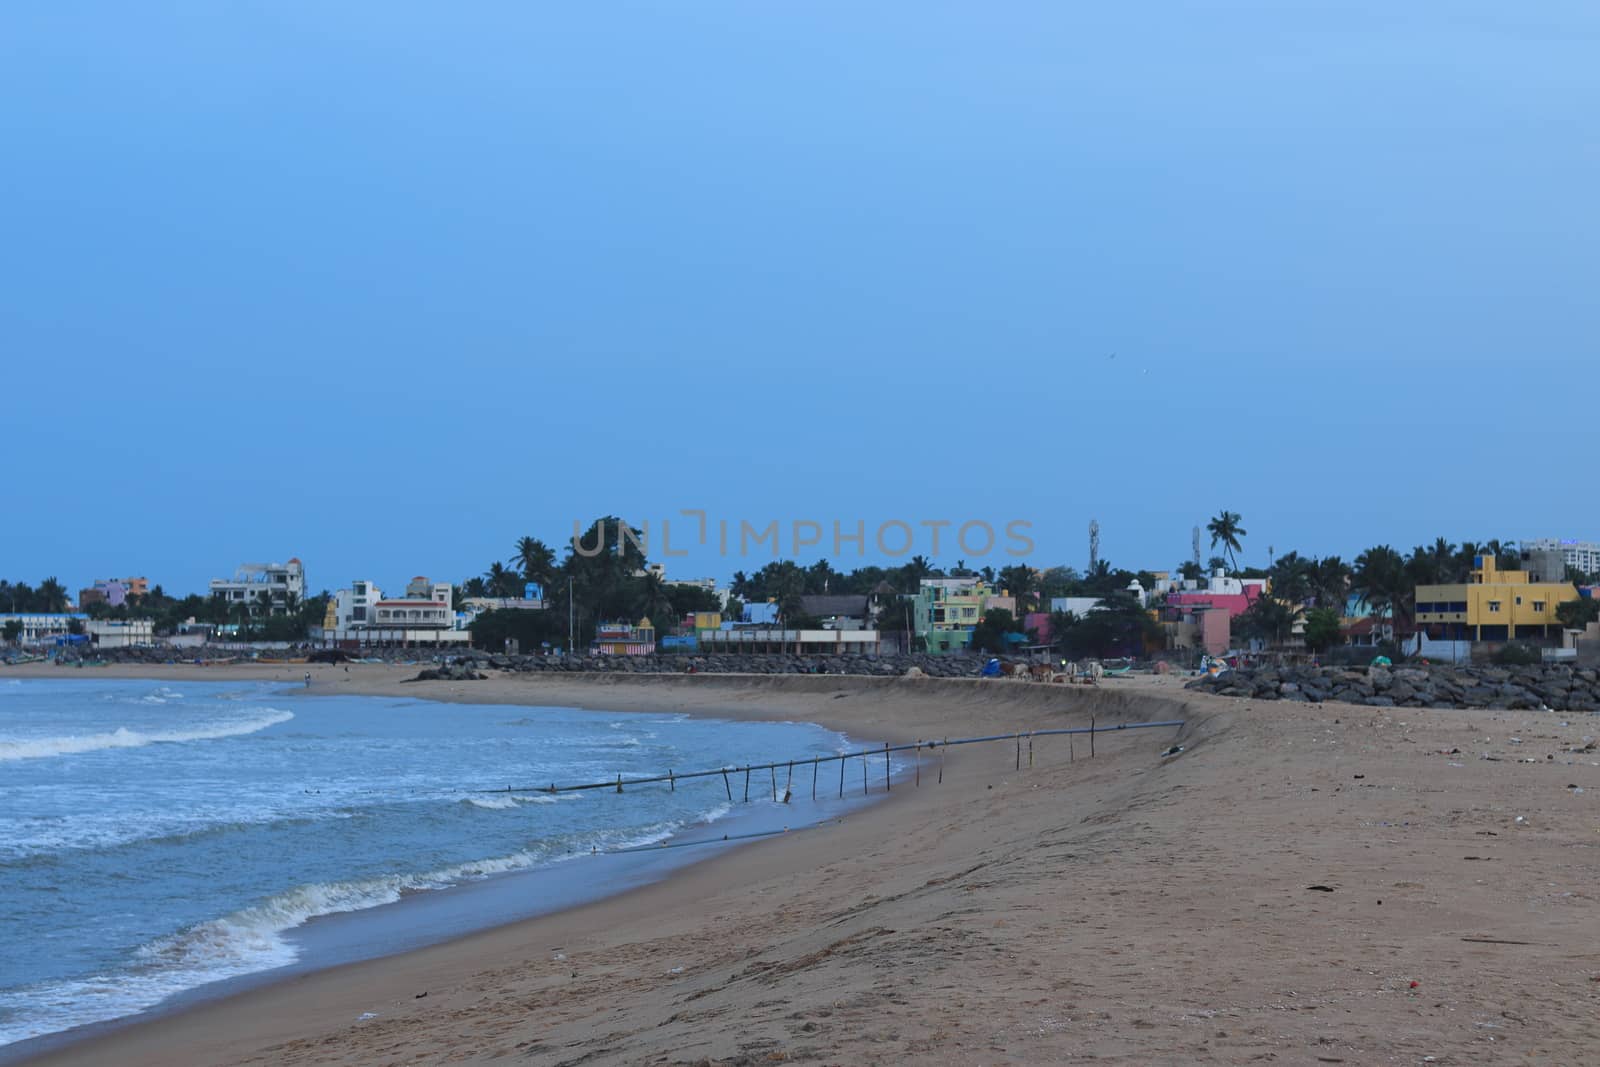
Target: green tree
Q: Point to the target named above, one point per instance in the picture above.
(11, 630)
(1322, 629)
(1020, 581)
(537, 560)
(1269, 619)
(51, 596)
(1057, 582)
(1579, 613)
(1119, 626)
(1226, 531)
(653, 602)
(1381, 581)
(1330, 582)
(502, 581)
(1291, 578)
(990, 633)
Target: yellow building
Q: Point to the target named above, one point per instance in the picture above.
(1495, 605)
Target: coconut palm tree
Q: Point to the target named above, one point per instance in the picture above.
(502, 581)
(653, 602)
(537, 560)
(51, 595)
(1291, 578)
(1270, 619)
(1226, 531)
(1380, 579)
(1020, 581)
(1330, 580)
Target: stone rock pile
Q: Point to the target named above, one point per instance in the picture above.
(1552, 686)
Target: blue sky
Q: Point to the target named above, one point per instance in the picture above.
(386, 286)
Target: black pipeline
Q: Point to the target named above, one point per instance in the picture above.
(672, 778)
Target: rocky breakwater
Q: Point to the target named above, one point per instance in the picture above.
(882, 666)
(1557, 688)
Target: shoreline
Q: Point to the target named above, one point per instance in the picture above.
(1145, 906)
(636, 868)
(704, 696)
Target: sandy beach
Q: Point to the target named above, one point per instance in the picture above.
(1301, 884)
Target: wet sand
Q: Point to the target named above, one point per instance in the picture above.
(1135, 908)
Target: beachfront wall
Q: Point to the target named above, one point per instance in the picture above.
(817, 642)
(1495, 605)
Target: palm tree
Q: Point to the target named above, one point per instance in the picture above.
(1380, 579)
(654, 603)
(474, 587)
(1019, 581)
(1330, 580)
(502, 581)
(1292, 578)
(537, 560)
(1270, 619)
(1226, 531)
(51, 595)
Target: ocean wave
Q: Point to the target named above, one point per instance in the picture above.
(122, 737)
(252, 939)
(491, 803)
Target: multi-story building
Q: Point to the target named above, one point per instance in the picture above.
(1584, 555)
(945, 611)
(112, 592)
(426, 615)
(279, 581)
(1493, 605)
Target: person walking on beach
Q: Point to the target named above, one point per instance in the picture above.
(308, 679)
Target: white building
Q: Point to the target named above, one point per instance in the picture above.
(424, 616)
(121, 633)
(279, 581)
(1219, 584)
(39, 627)
(1584, 555)
(355, 607)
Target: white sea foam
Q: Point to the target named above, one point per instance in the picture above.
(122, 737)
(492, 803)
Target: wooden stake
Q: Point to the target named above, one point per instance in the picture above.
(916, 783)
(942, 749)
(672, 784)
(816, 765)
(747, 785)
(886, 785)
(619, 783)
(1030, 750)
(863, 774)
(726, 786)
(1019, 752)
(774, 771)
(1091, 737)
(841, 777)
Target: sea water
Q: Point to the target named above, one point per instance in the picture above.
(155, 838)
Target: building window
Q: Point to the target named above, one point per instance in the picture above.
(1494, 605)
(1519, 602)
(1538, 605)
